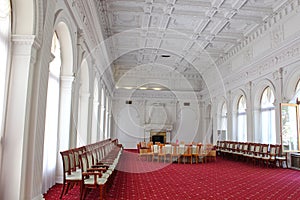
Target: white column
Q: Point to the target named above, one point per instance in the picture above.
(95, 121)
(106, 123)
(278, 99)
(102, 121)
(64, 121)
(83, 120)
(16, 135)
(229, 117)
(249, 112)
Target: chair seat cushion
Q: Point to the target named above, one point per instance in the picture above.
(73, 176)
(90, 181)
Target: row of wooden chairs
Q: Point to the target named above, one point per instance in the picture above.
(257, 153)
(180, 153)
(95, 161)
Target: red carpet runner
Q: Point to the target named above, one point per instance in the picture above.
(222, 179)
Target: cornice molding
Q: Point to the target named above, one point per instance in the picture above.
(285, 10)
(275, 60)
(168, 95)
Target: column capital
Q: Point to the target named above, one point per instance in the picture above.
(66, 82)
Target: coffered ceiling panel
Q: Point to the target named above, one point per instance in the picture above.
(186, 35)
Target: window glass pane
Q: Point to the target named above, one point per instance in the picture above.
(268, 130)
(267, 99)
(289, 127)
(223, 123)
(242, 105)
(242, 120)
(224, 110)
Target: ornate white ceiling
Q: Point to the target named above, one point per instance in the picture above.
(171, 42)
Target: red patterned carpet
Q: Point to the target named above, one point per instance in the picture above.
(222, 179)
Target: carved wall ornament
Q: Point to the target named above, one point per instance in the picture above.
(277, 36)
(248, 56)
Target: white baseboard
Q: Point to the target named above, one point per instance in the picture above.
(39, 197)
(59, 179)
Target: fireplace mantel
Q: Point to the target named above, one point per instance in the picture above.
(152, 128)
(158, 127)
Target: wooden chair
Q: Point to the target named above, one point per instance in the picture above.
(265, 154)
(250, 152)
(180, 152)
(244, 150)
(195, 151)
(200, 154)
(238, 154)
(209, 153)
(70, 175)
(168, 152)
(155, 150)
(92, 177)
(187, 153)
(272, 156)
(162, 153)
(281, 156)
(257, 153)
(175, 153)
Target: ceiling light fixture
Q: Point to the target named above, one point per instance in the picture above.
(165, 56)
(143, 88)
(128, 88)
(157, 88)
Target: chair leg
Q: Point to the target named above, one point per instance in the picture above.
(82, 192)
(102, 192)
(67, 189)
(63, 189)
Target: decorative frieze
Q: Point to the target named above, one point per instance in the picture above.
(277, 36)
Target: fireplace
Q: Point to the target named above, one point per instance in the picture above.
(158, 137)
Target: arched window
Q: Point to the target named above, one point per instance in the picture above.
(268, 130)
(52, 116)
(242, 120)
(5, 27)
(222, 129)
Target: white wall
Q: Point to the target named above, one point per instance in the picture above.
(131, 122)
(129, 130)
